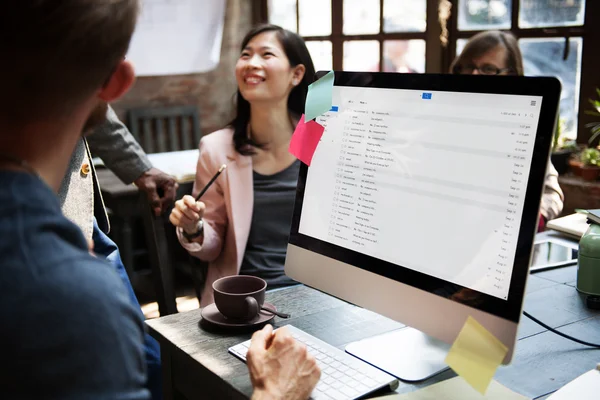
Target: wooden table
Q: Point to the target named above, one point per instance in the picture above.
(196, 363)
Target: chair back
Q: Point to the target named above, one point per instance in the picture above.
(165, 129)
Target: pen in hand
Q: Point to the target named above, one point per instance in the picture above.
(211, 181)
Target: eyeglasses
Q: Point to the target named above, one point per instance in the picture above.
(486, 69)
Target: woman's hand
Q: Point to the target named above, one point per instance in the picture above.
(186, 214)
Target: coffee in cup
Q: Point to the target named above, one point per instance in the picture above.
(239, 297)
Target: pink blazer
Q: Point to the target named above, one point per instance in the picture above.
(229, 204)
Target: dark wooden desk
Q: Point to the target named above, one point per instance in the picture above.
(196, 363)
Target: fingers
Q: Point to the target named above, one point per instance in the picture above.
(153, 198)
(180, 219)
(190, 202)
(189, 207)
(282, 338)
(186, 213)
(262, 338)
(169, 192)
(260, 342)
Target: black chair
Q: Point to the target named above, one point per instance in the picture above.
(159, 258)
(164, 129)
(163, 252)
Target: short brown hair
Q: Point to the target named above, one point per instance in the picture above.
(56, 53)
(483, 42)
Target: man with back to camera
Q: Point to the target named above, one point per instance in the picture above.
(68, 327)
(81, 202)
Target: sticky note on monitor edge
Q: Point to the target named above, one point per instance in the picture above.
(319, 98)
(476, 355)
(305, 140)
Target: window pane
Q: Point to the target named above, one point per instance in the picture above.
(540, 13)
(283, 13)
(321, 54)
(361, 16)
(404, 16)
(484, 14)
(460, 45)
(361, 55)
(315, 17)
(404, 56)
(544, 57)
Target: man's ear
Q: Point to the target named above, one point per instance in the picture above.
(119, 82)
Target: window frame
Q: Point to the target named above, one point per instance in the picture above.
(337, 36)
(438, 57)
(589, 61)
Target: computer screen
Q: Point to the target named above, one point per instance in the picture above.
(425, 190)
(431, 181)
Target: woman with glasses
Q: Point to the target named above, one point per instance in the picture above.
(497, 53)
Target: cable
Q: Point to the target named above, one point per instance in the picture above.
(525, 313)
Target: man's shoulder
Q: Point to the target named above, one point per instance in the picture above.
(76, 331)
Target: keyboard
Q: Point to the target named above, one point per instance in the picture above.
(342, 375)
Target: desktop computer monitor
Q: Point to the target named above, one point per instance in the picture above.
(422, 198)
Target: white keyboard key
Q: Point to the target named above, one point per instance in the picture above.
(351, 393)
(336, 395)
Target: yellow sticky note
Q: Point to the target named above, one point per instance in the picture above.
(476, 354)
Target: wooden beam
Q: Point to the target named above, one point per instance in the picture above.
(590, 65)
(260, 12)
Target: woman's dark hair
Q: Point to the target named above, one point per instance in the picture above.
(483, 42)
(297, 53)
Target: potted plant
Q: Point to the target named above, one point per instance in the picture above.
(590, 158)
(594, 126)
(562, 148)
(586, 163)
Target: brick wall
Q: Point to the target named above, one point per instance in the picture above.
(211, 92)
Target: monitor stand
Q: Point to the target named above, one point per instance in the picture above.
(407, 353)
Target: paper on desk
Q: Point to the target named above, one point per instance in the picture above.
(476, 354)
(305, 140)
(574, 225)
(458, 389)
(585, 387)
(180, 164)
(320, 97)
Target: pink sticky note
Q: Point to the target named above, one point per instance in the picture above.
(305, 140)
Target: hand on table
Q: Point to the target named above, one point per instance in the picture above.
(280, 367)
(186, 214)
(154, 180)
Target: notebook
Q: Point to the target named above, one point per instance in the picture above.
(592, 215)
(574, 225)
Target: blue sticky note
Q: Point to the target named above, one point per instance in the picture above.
(319, 98)
(426, 96)
(334, 109)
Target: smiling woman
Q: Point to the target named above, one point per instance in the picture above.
(242, 223)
